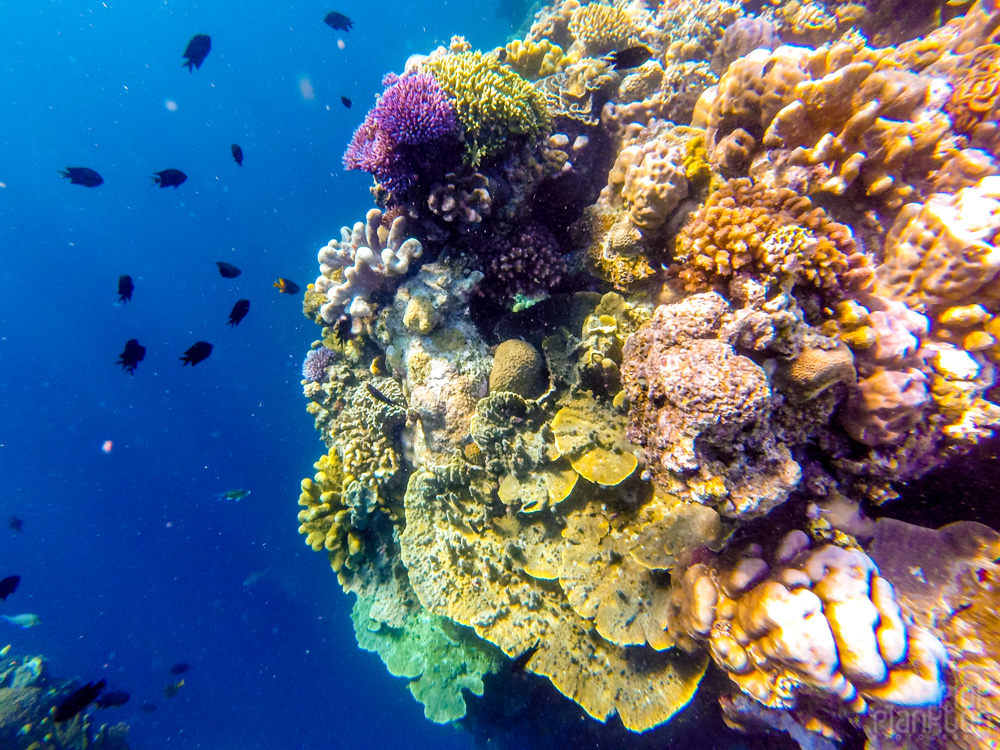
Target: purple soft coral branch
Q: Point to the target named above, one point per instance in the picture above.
(412, 111)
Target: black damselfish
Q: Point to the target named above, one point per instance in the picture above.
(196, 51)
(346, 102)
(169, 178)
(179, 668)
(237, 153)
(632, 57)
(112, 699)
(82, 176)
(15, 524)
(338, 21)
(125, 288)
(132, 356)
(240, 310)
(8, 586)
(198, 352)
(228, 270)
(78, 701)
(286, 286)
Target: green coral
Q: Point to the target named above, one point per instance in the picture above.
(492, 102)
(439, 658)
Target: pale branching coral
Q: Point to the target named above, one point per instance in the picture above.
(462, 200)
(362, 261)
(803, 624)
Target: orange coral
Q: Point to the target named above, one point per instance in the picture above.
(977, 93)
(773, 233)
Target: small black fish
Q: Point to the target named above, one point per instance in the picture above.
(631, 57)
(198, 352)
(125, 288)
(521, 661)
(179, 668)
(240, 310)
(78, 701)
(82, 176)
(345, 101)
(113, 699)
(767, 67)
(338, 21)
(8, 586)
(379, 396)
(285, 286)
(169, 177)
(196, 51)
(342, 328)
(130, 358)
(15, 523)
(237, 153)
(147, 707)
(228, 270)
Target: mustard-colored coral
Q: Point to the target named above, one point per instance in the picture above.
(479, 578)
(599, 28)
(326, 519)
(534, 60)
(976, 96)
(775, 234)
(592, 437)
(492, 102)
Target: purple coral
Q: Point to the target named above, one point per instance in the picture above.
(527, 262)
(315, 364)
(412, 128)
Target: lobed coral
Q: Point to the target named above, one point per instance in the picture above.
(362, 261)
(814, 629)
(492, 103)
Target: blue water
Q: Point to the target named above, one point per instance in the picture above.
(127, 556)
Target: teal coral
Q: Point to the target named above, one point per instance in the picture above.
(440, 659)
(492, 102)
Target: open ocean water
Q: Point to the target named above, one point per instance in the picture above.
(126, 555)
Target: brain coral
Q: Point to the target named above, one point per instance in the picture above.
(517, 367)
(773, 234)
(492, 102)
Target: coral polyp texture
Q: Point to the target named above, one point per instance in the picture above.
(657, 302)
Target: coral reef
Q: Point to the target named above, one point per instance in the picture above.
(800, 224)
(27, 695)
